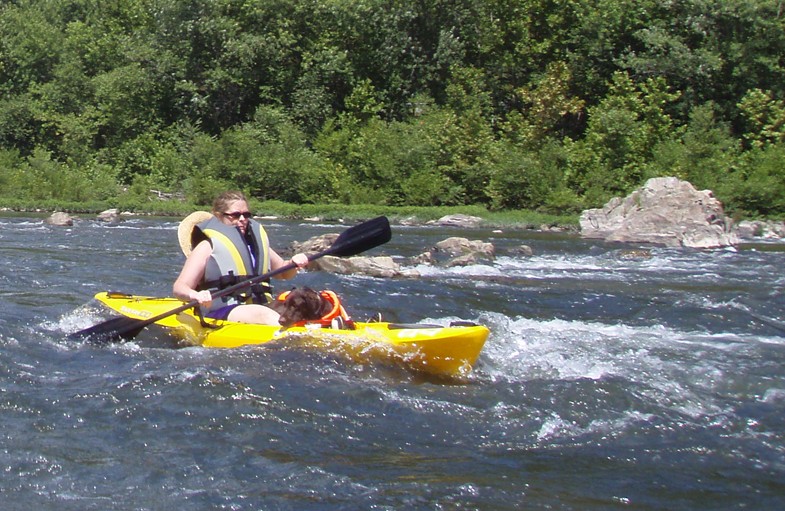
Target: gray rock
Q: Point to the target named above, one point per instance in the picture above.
(466, 221)
(635, 254)
(424, 258)
(462, 260)
(523, 251)
(60, 219)
(377, 266)
(455, 250)
(310, 246)
(462, 252)
(665, 211)
(110, 215)
(752, 229)
(456, 246)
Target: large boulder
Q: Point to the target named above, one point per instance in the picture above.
(665, 211)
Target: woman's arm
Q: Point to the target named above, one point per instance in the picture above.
(191, 275)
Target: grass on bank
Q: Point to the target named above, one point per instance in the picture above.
(327, 212)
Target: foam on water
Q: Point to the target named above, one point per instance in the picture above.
(656, 371)
(136, 225)
(595, 266)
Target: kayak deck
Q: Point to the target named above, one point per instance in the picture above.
(440, 350)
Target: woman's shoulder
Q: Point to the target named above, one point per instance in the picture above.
(202, 249)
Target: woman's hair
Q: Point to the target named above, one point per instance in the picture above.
(222, 201)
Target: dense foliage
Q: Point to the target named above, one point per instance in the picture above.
(550, 105)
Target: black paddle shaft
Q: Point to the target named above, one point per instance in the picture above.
(352, 241)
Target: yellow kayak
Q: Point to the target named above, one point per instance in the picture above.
(439, 350)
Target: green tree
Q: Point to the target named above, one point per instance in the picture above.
(266, 157)
(712, 50)
(519, 181)
(546, 108)
(10, 161)
(757, 188)
(599, 34)
(623, 128)
(466, 139)
(765, 118)
(705, 153)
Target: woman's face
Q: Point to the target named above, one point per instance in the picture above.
(236, 214)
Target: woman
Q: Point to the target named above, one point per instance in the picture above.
(226, 247)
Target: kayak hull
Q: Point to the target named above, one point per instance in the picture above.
(433, 349)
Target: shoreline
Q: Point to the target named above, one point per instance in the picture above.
(753, 234)
(751, 231)
(468, 217)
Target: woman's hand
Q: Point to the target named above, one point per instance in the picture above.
(203, 297)
(301, 260)
(298, 261)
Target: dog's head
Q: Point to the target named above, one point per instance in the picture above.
(301, 304)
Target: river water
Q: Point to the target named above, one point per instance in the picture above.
(611, 380)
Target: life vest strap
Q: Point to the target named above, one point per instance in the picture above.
(261, 292)
(202, 321)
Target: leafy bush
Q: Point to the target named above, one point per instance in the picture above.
(757, 187)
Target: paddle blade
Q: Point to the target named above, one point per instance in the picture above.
(111, 330)
(361, 237)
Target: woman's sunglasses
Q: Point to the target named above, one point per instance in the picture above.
(237, 214)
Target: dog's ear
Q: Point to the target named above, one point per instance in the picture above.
(324, 306)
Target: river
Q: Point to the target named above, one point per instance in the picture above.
(611, 380)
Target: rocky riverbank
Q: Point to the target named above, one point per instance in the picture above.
(664, 211)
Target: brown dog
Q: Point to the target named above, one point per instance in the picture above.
(301, 304)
